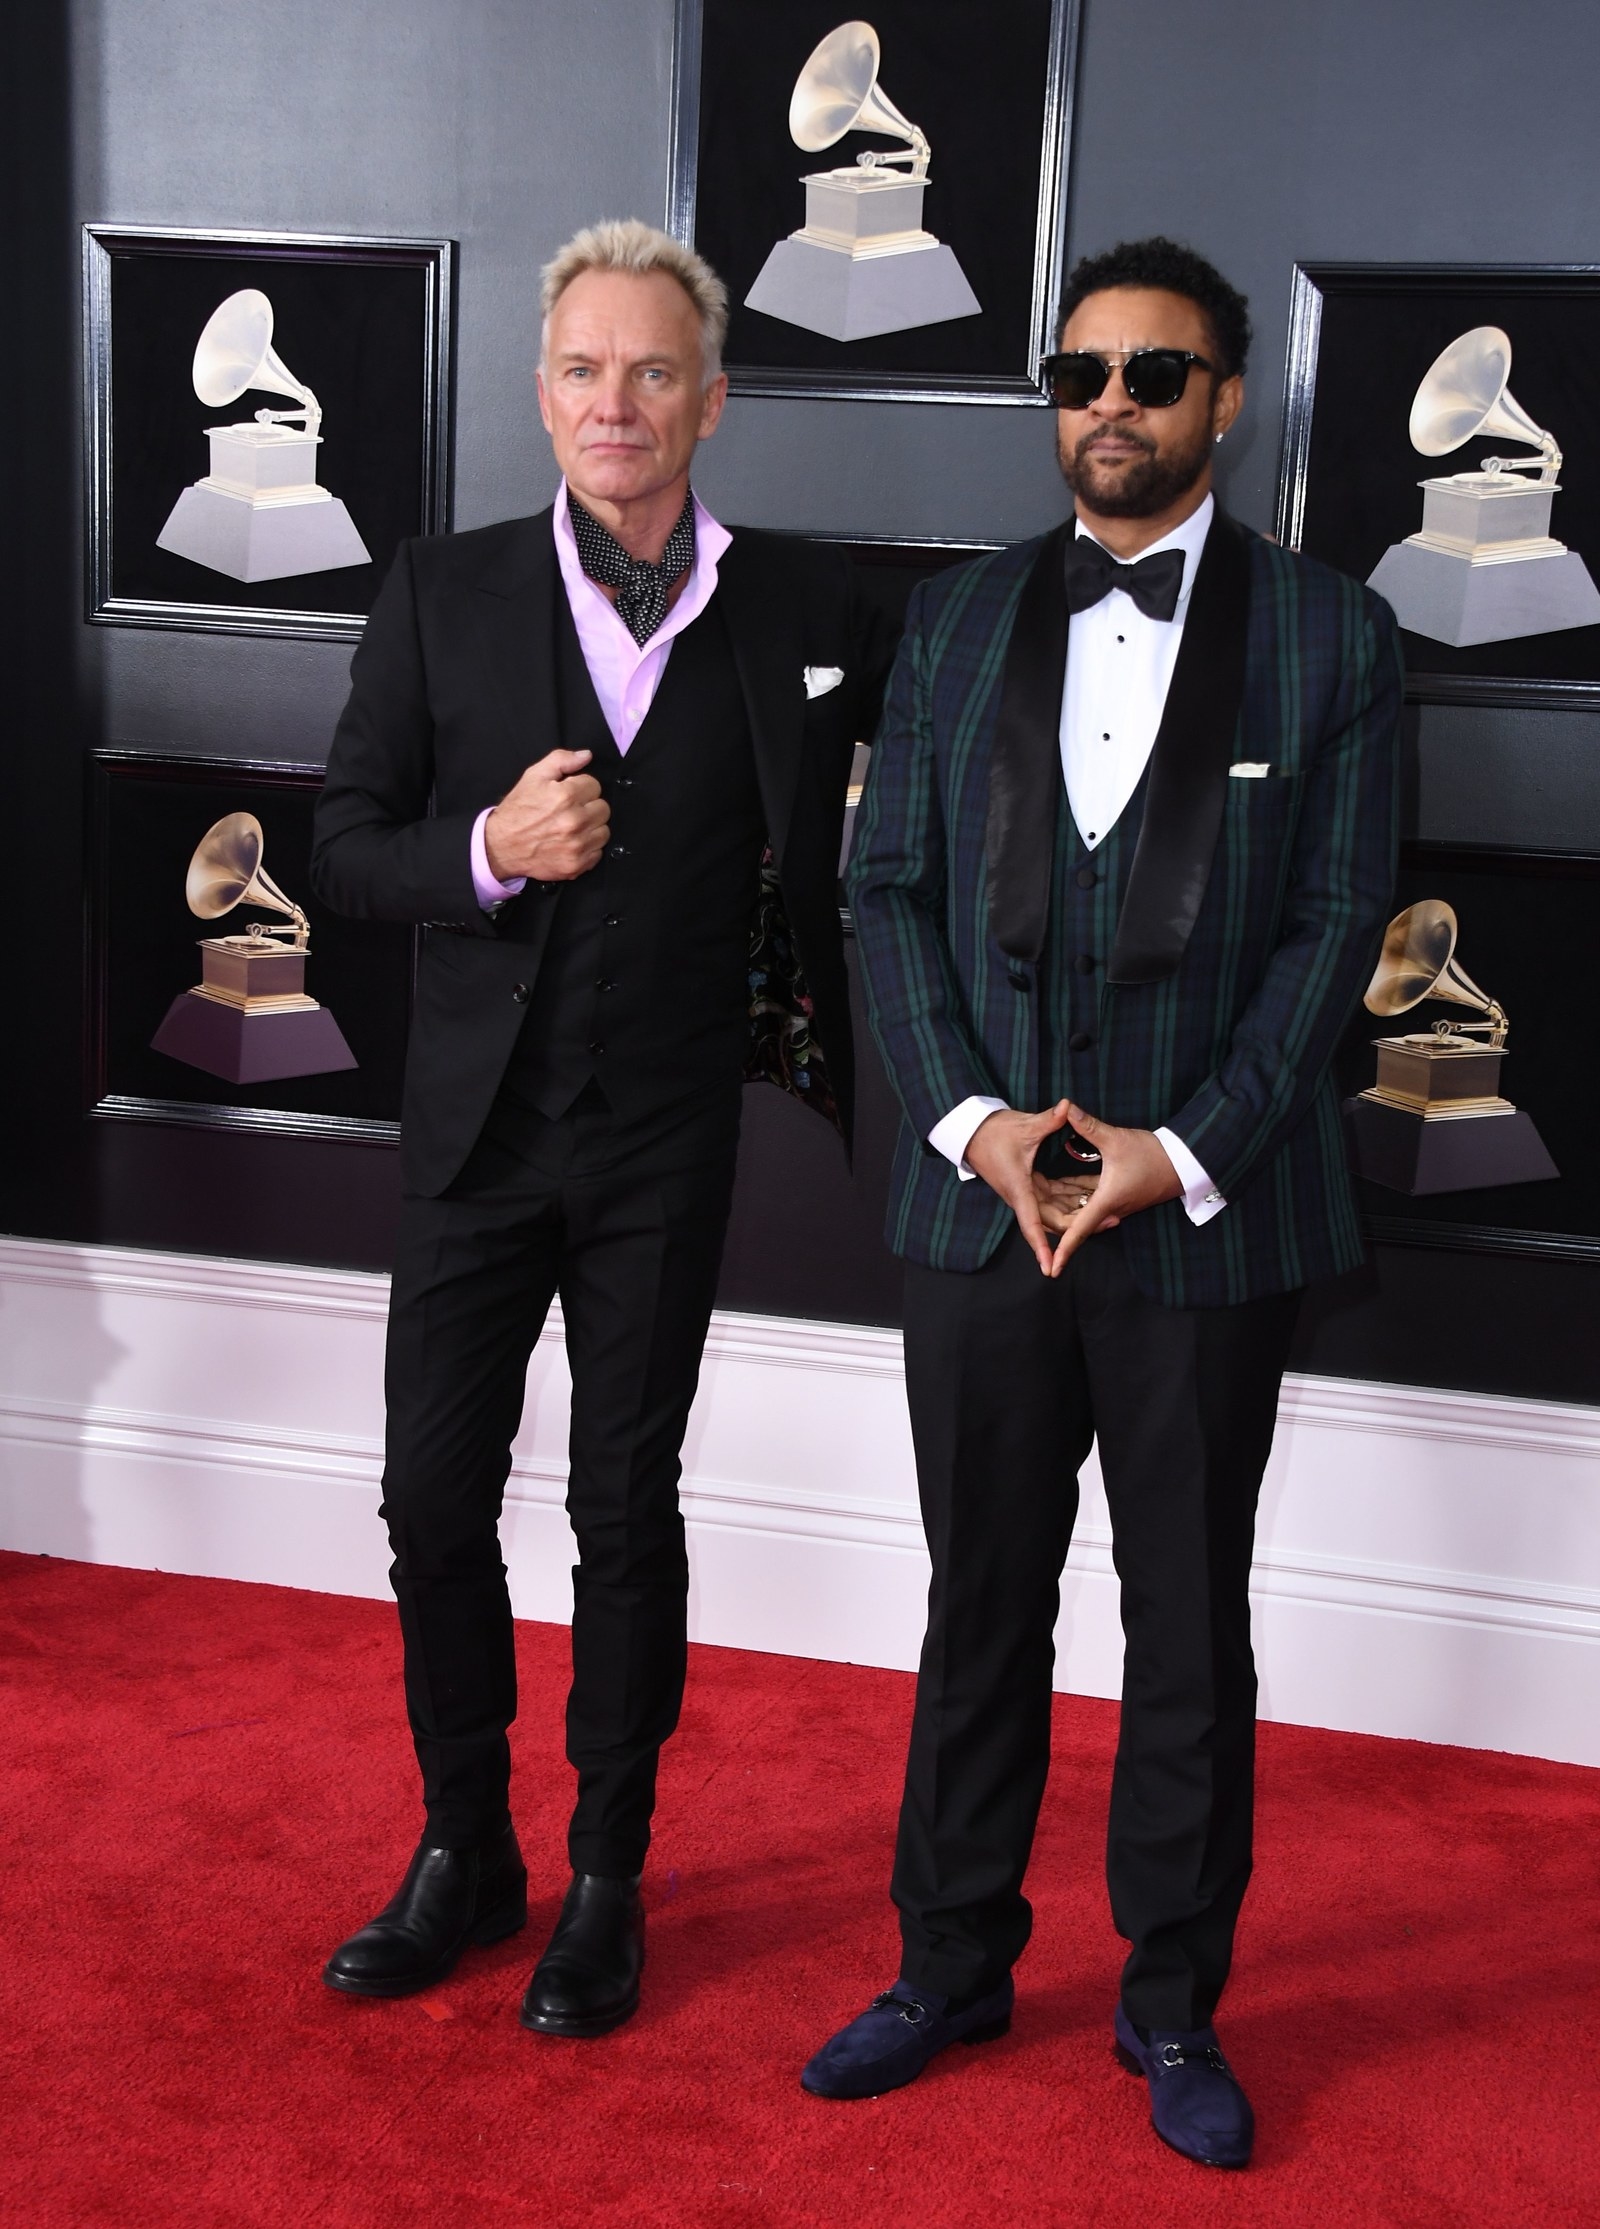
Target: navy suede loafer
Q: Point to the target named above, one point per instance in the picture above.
(893, 2040)
(1196, 2104)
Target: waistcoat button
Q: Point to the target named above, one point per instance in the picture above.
(1079, 1041)
(1017, 978)
(1086, 878)
(1085, 963)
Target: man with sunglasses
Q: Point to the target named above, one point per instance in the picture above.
(1125, 856)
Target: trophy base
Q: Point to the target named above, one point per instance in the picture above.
(1452, 599)
(1413, 1153)
(247, 1048)
(847, 297)
(272, 540)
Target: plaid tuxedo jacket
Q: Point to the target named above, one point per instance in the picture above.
(1253, 916)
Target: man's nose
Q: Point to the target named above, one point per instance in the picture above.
(613, 401)
(1114, 400)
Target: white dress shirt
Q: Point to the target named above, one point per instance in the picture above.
(1119, 668)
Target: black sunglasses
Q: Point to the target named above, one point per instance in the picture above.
(1154, 377)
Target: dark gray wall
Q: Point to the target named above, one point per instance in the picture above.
(1264, 131)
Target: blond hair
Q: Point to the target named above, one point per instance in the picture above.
(628, 244)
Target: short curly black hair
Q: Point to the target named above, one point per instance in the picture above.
(1175, 269)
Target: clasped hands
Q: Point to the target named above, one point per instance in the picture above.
(1134, 1173)
(553, 826)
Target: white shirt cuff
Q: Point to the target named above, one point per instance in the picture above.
(490, 891)
(952, 1135)
(1201, 1199)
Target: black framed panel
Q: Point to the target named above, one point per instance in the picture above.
(234, 513)
(993, 92)
(888, 571)
(148, 816)
(1527, 936)
(1363, 338)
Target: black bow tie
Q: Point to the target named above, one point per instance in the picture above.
(1153, 582)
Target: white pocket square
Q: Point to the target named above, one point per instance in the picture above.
(820, 679)
(1250, 769)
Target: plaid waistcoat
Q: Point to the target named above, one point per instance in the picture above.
(1248, 921)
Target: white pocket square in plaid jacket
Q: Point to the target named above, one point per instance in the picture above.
(1250, 769)
(820, 679)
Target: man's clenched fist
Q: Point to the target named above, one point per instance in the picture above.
(553, 826)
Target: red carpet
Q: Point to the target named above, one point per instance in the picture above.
(208, 1784)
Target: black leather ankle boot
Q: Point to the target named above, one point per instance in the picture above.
(448, 1899)
(587, 1982)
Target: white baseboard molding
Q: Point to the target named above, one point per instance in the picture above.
(1428, 1563)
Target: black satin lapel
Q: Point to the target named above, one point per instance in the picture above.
(1188, 785)
(1025, 759)
(763, 622)
(516, 604)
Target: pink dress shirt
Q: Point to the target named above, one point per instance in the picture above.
(625, 676)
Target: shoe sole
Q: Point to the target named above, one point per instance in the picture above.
(579, 2031)
(1125, 2058)
(990, 2032)
(494, 1927)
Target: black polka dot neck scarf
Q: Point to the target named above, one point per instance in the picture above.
(641, 588)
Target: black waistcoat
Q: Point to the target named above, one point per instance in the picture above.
(643, 985)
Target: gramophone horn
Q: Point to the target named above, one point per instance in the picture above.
(235, 352)
(1464, 393)
(838, 91)
(1418, 961)
(226, 871)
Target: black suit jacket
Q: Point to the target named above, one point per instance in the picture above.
(453, 694)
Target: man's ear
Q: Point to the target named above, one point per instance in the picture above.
(1226, 403)
(544, 400)
(715, 395)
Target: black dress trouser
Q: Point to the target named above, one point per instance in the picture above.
(626, 1221)
(1011, 1377)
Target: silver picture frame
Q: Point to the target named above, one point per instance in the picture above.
(1016, 386)
(109, 602)
(1384, 295)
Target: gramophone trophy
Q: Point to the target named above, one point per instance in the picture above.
(258, 514)
(1435, 1121)
(1484, 567)
(861, 263)
(248, 1018)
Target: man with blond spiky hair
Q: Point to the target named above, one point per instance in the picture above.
(601, 756)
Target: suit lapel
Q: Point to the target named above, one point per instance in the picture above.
(763, 624)
(1025, 758)
(1188, 785)
(516, 604)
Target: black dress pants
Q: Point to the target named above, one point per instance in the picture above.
(626, 1222)
(1011, 1377)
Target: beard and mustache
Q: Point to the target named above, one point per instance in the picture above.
(1140, 490)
